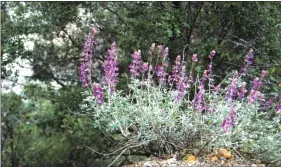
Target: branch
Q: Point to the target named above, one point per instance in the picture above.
(114, 12)
(58, 81)
(193, 20)
(272, 25)
(117, 157)
(125, 147)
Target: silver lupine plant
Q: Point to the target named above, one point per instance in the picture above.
(164, 113)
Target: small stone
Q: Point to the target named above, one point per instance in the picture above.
(254, 165)
(224, 153)
(214, 159)
(191, 159)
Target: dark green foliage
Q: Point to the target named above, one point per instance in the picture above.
(45, 129)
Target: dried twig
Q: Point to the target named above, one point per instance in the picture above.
(239, 155)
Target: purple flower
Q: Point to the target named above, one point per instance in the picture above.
(232, 88)
(242, 91)
(179, 78)
(94, 31)
(249, 59)
(199, 99)
(218, 88)
(231, 91)
(98, 93)
(135, 66)
(255, 96)
(264, 73)
(144, 67)
(268, 104)
(278, 108)
(176, 68)
(256, 84)
(83, 74)
(212, 54)
(181, 85)
(195, 57)
(243, 68)
(229, 121)
(88, 46)
(111, 69)
(161, 74)
(190, 78)
(211, 109)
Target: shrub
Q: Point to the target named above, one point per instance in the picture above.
(161, 114)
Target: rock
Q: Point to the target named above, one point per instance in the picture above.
(191, 159)
(223, 153)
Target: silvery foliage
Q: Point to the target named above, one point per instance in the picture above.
(148, 115)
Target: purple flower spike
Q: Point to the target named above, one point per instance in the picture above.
(278, 108)
(264, 73)
(268, 104)
(179, 78)
(212, 54)
(144, 67)
(255, 96)
(190, 78)
(195, 57)
(249, 59)
(135, 66)
(161, 74)
(181, 85)
(229, 121)
(199, 98)
(111, 69)
(83, 74)
(242, 91)
(98, 93)
(232, 88)
(257, 83)
(176, 68)
(210, 67)
(88, 46)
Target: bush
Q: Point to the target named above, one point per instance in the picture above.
(161, 115)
